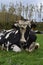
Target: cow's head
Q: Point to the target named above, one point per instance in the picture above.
(25, 27)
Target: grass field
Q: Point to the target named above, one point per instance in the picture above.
(23, 58)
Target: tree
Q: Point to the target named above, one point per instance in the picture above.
(11, 9)
(30, 11)
(26, 11)
(3, 8)
(20, 9)
(36, 9)
(23, 10)
(40, 11)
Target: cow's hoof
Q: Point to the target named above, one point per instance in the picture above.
(37, 45)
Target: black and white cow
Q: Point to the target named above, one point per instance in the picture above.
(13, 38)
(27, 39)
(17, 40)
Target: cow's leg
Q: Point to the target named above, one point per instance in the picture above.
(7, 46)
(2, 47)
(31, 47)
(37, 45)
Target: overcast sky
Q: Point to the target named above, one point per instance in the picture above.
(23, 1)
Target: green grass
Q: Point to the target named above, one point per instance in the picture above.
(23, 58)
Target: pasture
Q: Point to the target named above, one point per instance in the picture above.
(23, 58)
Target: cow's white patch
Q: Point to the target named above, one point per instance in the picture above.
(7, 35)
(15, 24)
(16, 48)
(0, 38)
(16, 32)
(9, 30)
(1, 34)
